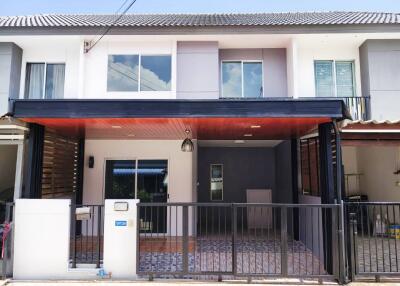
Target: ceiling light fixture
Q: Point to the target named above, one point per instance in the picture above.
(255, 126)
(248, 135)
(187, 144)
(116, 126)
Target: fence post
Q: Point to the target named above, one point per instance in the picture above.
(185, 239)
(234, 230)
(335, 250)
(342, 256)
(98, 236)
(284, 241)
(73, 233)
(353, 245)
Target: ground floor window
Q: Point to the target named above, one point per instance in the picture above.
(309, 152)
(146, 180)
(216, 182)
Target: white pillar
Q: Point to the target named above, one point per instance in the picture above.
(292, 65)
(120, 238)
(19, 171)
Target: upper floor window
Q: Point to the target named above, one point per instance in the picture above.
(44, 81)
(139, 73)
(242, 79)
(334, 78)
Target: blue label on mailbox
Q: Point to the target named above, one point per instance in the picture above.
(121, 223)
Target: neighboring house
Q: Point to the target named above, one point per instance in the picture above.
(267, 101)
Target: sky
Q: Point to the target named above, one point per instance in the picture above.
(29, 7)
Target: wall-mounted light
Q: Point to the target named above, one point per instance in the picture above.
(91, 162)
(187, 144)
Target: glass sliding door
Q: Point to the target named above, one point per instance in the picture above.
(146, 180)
(120, 179)
(152, 186)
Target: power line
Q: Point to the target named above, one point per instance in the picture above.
(122, 5)
(112, 24)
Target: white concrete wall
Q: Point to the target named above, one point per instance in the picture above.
(120, 240)
(377, 164)
(41, 239)
(180, 167)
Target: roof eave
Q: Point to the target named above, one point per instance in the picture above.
(183, 30)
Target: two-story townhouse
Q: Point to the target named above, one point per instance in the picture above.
(227, 127)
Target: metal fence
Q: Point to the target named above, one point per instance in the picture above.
(232, 240)
(373, 239)
(359, 107)
(87, 229)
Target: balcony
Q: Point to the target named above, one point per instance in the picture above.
(359, 107)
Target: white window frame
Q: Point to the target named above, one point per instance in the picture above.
(45, 76)
(335, 93)
(242, 64)
(139, 72)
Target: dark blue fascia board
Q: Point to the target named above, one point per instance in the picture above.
(109, 108)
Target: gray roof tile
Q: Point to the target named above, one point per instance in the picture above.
(203, 20)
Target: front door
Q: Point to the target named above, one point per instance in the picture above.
(146, 180)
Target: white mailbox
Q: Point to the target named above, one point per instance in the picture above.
(120, 234)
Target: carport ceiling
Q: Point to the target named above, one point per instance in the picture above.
(174, 128)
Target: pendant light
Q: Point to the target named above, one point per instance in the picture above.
(187, 144)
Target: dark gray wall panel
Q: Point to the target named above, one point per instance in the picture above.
(380, 75)
(244, 168)
(197, 70)
(283, 165)
(10, 73)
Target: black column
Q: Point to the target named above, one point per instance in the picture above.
(327, 188)
(295, 186)
(327, 185)
(34, 168)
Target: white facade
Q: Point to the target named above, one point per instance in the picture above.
(181, 165)
(312, 48)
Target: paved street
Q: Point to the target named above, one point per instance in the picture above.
(282, 282)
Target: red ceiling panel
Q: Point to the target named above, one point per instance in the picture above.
(174, 128)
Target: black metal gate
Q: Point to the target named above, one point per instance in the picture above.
(233, 240)
(373, 237)
(87, 233)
